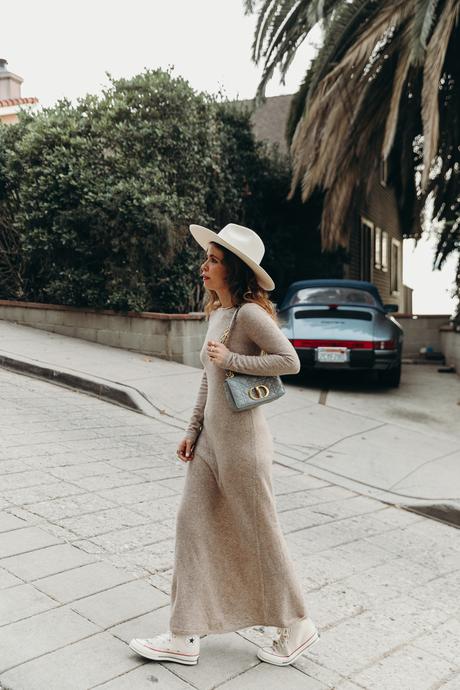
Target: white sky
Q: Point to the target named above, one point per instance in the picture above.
(63, 49)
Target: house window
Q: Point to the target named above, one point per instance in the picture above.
(395, 263)
(384, 250)
(377, 247)
(366, 249)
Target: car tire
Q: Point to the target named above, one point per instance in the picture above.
(390, 378)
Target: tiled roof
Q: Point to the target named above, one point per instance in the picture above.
(7, 102)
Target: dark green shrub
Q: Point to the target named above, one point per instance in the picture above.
(96, 198)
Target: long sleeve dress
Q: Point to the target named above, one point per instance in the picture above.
(232, 568)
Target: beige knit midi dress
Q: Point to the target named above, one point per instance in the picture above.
(232, 568)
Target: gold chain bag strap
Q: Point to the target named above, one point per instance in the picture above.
(244, 391)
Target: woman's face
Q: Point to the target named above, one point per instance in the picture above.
(213, 270)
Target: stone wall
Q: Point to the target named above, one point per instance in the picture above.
(177, 337)
(421, 330)
(450, 344)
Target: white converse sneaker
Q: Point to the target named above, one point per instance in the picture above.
(291, 643)
(185, 649)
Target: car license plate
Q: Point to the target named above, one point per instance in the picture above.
(332, 354)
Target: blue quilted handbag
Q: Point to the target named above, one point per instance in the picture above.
(244, 391)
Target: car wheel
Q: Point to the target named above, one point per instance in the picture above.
(390, 378)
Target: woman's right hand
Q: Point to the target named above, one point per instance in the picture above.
(185, 450)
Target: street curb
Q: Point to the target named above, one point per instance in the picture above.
(110, 392)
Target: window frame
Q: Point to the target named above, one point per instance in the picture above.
(378, 247)
(395, 271)
(384, 254)
(370, 225)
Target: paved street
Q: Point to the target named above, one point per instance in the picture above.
(401, 446)
(88, 497)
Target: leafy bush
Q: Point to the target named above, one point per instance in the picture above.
(96, 198)
(106, 189)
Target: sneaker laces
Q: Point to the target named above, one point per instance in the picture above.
(163, 637)
(283, 636)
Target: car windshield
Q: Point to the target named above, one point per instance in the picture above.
(332, 295)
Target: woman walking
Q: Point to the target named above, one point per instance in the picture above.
(232, 569)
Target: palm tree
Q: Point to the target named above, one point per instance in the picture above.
(384, 85)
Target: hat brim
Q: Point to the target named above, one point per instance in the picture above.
(204, 236)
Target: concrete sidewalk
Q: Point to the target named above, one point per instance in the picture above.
(88, 497)
(402, 446)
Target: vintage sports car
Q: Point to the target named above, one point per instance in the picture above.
(342, 324)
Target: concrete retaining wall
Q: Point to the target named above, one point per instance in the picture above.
(421, 330)
(177, 337)
(450, 345)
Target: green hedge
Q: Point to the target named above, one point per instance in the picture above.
(96, 198)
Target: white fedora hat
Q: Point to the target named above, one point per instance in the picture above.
(243, 242)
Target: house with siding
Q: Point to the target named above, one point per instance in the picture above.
(375, 243)
(11, 101)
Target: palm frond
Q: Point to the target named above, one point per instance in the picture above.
(270, 23)
(423, 21)
(281, 27)
(342, 32)
(365, 39)
(297, 107)
(292, 31)
(337, 143)
(434, 62)
(406, 159)
(272, 27)
(285, 51)
(399, 81)
(444, 187)
(384, 83)
(249, 6)
(262, 21)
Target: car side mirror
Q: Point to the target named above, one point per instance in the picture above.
(390, 307)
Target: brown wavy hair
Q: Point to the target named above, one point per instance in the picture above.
(242, 284)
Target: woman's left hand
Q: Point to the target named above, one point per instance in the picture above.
(217, 352)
